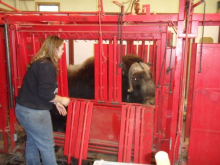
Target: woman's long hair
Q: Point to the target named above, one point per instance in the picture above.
(48, 51)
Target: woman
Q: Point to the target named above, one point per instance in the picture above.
(36, 97)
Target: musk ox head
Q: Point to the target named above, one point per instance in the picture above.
(140, 78)
(137, 67)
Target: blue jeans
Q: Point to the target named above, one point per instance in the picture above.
(39, 131)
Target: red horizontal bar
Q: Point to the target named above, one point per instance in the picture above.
(208, 17)
(103, 148)
(93, 28)
(93, 18)
(100, 151)
(48, 13)
(103, 143)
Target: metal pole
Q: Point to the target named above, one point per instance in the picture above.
(9, 66)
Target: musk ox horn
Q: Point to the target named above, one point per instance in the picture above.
(136, 67)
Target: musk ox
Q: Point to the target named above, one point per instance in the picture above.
(134, 72)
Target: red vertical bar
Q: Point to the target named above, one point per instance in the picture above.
(3, 92)
(182, 4)
(66, 144)
(168, 98)
(130, 134)
(101, 68)
(137, 134)
(83, 132)
(139, 53)
(71, 51)
(123, 50)
(151, 54)
(122, 134)
(190, 90)
(87, 132)
(34, 44)
(177, 94)
(143, 51)
(161, 63)
(100, 73)
(158, 90)
(141, 135)
(131, 48)
(126, 133)
(194, 27)
(15, 68)
(12, 118)
(62, 79)
(97, 72)
(111, 77)
(114, 74)
(69, 130)
(134, 50)
(164, 112)
(79, 129)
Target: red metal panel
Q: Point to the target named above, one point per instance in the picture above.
(140, 118)
(105, 126)
(205, 132)
(146, 134)
(78, 129)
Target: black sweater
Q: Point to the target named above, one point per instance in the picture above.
(39, 85)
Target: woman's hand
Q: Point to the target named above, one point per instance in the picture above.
(65, 101)
(62, 100)
(61, 109)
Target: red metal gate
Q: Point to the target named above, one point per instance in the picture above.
(203, 106)
(26, 41)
